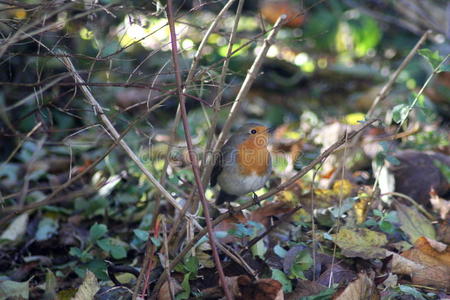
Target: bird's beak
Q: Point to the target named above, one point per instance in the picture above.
(271, 129)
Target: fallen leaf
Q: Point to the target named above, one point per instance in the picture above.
(424, 253)
(164, 293)
(306, 288)
(414, 224)
(88, 288)
(262, 289)
(363, 288)
(16, 229)
(424, 264)
(13, 289)
(337, 273)
(48, 226)
(361, 242)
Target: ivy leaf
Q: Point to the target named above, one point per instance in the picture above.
(432, 57)
(192, 264)
(280, 251)
(104, 244)
(97, 231)
(282, 278)
(141, 234)
(400, 113)
(392, 160)
(445, 68)
(118, 251)
(186, 288)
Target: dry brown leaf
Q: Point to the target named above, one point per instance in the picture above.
(424, 253)
(363, 288)
(305, 288)
(424, 264)
(262, 289)
(164, 293)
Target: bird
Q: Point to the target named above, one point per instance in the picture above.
(244, 163)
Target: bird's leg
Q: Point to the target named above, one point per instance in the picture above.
(230, 208)
(256, 199)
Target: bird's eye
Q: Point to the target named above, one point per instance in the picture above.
(253, 131)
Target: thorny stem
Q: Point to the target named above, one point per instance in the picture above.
(192, 156)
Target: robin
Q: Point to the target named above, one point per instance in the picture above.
(244, 163)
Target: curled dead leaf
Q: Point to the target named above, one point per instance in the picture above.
(425, 264)
(164, 291)
(363, 288)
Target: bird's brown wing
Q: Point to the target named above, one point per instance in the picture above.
(216, 170)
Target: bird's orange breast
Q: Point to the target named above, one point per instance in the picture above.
(253, 156)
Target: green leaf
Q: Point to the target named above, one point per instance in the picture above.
(192, 264)
(323, 295)
(279, 251)
(445, 68)
(303, 262)
(387, 227)
(259, 249)
(97, 231)
(141, 234)
(118, 252)
(98, 267)
(105, 244)
(377, 212)
(392, 160)
(432, 57)
(186, 288)
(400, 113)
(283, 279)
(411, 291)
(379, 159)
(46, 229)
(74, 251)
(156, 241)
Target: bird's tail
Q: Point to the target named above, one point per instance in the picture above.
(225, 197)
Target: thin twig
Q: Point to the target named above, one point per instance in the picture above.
(248, 81)
(382, 94)
(115, 135)
(220, 88)
(192, 155)
(388, 86)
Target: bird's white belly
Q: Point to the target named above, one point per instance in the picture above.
(241, 185)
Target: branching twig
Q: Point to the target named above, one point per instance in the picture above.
(248, 81)
(220, 88)
(192, 155)
(113, 132)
